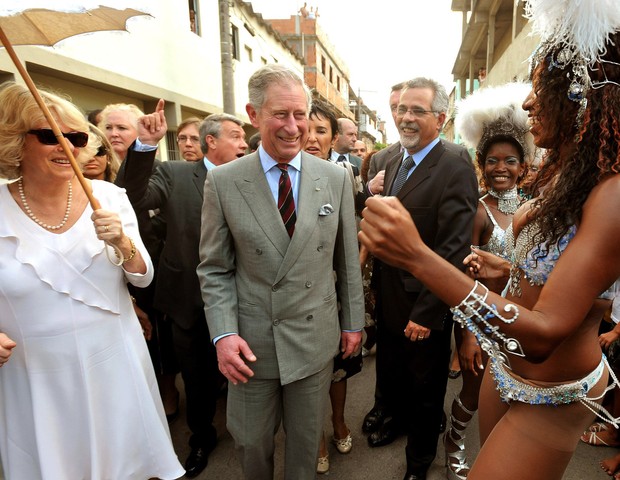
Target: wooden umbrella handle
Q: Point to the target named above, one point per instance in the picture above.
(52, 121)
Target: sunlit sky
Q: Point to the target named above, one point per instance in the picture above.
(384, 42)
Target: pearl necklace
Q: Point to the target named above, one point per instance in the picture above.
(22, 197)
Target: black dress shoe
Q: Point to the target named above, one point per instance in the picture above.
(196, 461)
(387, 433)
(374, 419)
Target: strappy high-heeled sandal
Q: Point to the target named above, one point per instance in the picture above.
(598, 427)
(456, 461)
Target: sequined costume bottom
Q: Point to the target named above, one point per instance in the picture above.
(511, 387)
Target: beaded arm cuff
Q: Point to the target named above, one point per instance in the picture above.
(474, 314)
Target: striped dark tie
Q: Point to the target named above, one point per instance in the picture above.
(286, 202)
(401, 176)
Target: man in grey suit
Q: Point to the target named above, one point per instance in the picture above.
(176, 189)
(277, 225)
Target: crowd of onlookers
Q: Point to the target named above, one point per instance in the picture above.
(268, 269)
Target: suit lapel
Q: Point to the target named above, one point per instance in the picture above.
(422, 171)
(200, 175)
(255, 190)
(310, 200)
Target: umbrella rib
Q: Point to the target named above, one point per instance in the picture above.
(41, 32)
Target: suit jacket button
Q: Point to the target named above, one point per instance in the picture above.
(319, 248)
(274, 288)
(309, 317)
(259, 251)
(308, 284)
(276, 322)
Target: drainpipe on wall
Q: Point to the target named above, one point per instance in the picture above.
(228, 83)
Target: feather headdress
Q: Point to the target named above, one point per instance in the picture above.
(575, 34)
(584, 26)
(495, 113)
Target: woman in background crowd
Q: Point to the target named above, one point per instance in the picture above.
(323, 128)
(526, 189)
(119, 122)
(366, 263)
(104, 163)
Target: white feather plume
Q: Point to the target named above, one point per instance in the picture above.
(488, 105)
(583, 25)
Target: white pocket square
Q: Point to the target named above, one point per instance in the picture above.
(326, 210)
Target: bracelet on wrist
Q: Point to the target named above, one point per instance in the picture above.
(132, 253)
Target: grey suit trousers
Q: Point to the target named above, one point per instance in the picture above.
(255, 410)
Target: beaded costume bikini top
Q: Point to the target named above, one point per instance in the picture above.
(497, 243)
(536, 262)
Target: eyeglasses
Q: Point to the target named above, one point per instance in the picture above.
(193, 139)
(416, 112)
(101, 151)
(46, 137)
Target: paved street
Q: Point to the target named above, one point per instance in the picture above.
(385, 463)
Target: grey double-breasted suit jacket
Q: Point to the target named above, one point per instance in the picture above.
(279, 293)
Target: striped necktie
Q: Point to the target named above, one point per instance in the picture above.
(286, 202)
(401, 176)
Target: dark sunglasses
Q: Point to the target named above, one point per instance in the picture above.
(46, 137)
(101, 151)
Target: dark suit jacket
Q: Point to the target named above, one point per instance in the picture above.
(441, 195)
(176, 188)
(151, 228)
(355, 160)
(379, 160)
(394, 152)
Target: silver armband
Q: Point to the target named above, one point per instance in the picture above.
(474, 314)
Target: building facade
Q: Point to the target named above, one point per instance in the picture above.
(195, 54)
(174, 54)
(495, 49)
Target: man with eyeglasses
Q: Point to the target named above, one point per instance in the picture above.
(176, 188)
(188, 140)
(377, 416)
(439, 189)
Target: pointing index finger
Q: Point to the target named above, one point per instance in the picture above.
(160, 105)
